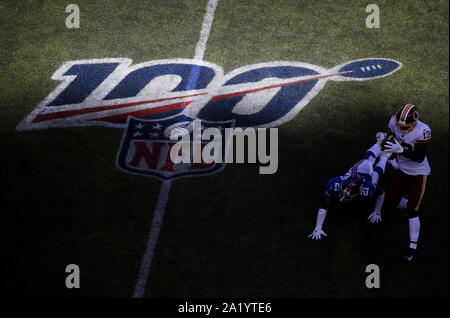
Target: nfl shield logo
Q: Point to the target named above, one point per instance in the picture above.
(146, 145)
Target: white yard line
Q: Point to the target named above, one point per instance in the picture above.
(163, 196)
(206, 27)
(158, 216)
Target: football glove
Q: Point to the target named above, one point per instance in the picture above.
(375, 217)
(394, 147)
(316, 235)
(380, 137)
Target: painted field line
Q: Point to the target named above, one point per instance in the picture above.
(206, 27)
(164, 191)
(152, 239)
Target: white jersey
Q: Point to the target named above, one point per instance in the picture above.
(420, 134)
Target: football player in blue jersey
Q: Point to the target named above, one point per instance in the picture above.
(359, 183)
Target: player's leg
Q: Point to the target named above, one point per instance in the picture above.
(372, 153)
(403, 203)
(416, 191)
(397, 189)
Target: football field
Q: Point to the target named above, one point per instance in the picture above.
(235, 233)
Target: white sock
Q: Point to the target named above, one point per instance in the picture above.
(375, 149)
(403, 204)
(414, 229)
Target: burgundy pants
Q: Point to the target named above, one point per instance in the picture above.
(404, 184)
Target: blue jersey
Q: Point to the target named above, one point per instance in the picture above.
(367, 191)
(365, 169)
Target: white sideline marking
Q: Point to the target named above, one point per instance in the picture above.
(163, 196)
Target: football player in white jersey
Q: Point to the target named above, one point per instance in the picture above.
(410, 146)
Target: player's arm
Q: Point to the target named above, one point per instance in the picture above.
(375, 216)
(326, 202)
(321, 215)
(420, 147)
(417, 154)
(329, 199)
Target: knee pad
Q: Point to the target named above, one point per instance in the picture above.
(410, 214)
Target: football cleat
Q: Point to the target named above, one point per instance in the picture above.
(406, 118)
(409, 255)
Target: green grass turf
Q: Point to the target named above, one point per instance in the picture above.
(236, 233)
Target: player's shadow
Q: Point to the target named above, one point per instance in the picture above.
(376, 243)
(382, 243)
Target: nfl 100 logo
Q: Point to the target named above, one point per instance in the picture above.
(153, 98)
